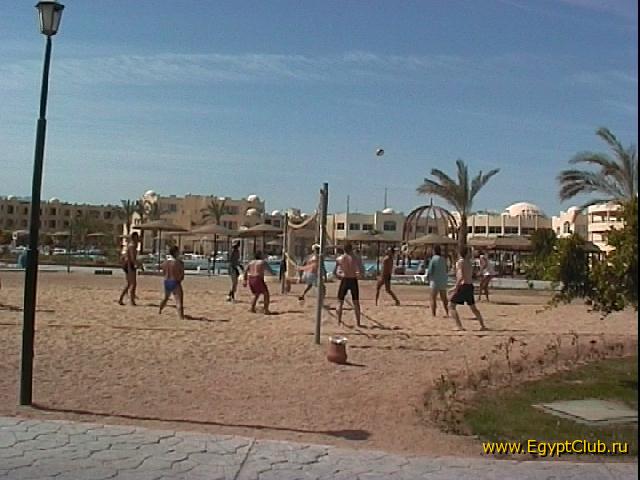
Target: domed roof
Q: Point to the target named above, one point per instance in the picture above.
(275, 213)
(251, 212)
(253, 198)
(388, 210)
(573, 209)
(54, 200)
(524, 209)
(11, 197)
(150, 193)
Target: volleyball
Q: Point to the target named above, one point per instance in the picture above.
(379, 152)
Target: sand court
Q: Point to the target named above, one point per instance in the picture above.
(225, 370)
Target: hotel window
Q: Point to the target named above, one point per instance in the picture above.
(65, 223)
(9, 222)
(107, 215)
(267, 221)
(367, 226)
(566, 227)
(24, 223)
(496, 230)
(354, 226)
(340, 226)
(25, 211)
(52, 224)
(469, 229)
(528, 231)
(67, 213)
(276, 223)
(431, 229)
(9, 209)
(511, 230)
(389, 226)
(52, 211)
(173, 208)
(231, 210)
(480, 229)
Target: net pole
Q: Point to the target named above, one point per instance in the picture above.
(285, 250)
(324, 202)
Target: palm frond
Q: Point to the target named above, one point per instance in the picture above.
(600, 159)
(611, 140)
(575, 182)
(430, 187)
(463, 184)
(481, 180)
(445, 180)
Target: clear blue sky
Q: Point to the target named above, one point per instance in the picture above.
(276, 97)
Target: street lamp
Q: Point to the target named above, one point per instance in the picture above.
(49, 13)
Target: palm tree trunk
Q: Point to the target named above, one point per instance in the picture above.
(462, 233)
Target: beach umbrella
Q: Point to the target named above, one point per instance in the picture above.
(260, 230)
(160, 226)
(215, 230)
(370, 236)
(432, 239)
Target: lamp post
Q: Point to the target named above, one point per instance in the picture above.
(49, 13)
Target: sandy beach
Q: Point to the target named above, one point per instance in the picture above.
(225, 370)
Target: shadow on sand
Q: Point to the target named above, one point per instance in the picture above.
(355, 435)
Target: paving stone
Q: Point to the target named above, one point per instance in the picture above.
(94, 473)
(64, 450)
(7, 439)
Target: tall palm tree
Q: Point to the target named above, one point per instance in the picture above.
(615, 181)
(141, 209)
(460, 195)
(215, 210)
(126, 212)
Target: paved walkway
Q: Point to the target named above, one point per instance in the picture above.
(62, 450)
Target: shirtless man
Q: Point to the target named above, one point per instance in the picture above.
(463, 291)
(311, 270)
(173, 270)
(348, 270)
(254, 275)
(487, 272)
(235, 268)
(130, 265)
(385, 277)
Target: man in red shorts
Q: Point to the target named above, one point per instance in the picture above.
(254, 275)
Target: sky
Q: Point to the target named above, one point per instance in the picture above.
(274, 98)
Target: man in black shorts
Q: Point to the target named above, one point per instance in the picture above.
(234, 270)
(130, 265)
(463, 291)
(348, 271)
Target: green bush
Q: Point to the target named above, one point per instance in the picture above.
(615, 279)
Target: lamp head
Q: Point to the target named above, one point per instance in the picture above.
(49, 14)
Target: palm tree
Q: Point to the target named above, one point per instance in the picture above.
(615, 181)
(126, 212)
(140, 208)
(460, 195)
(215, 210)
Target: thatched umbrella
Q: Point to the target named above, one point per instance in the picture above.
(432, 239)
(260, 230)
(370, 236)
(160, 226)
(215, 230)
